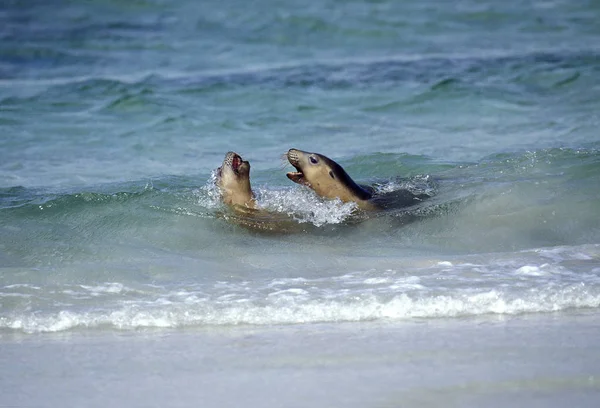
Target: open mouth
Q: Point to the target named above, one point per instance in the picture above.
(297, 176)
(236, 162)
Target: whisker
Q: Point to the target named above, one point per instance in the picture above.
(284, 161)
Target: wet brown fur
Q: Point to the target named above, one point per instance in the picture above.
(327, 178)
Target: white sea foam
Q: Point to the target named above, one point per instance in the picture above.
(111, 287)
(296, 307)
(531, 270)
(385, 289)
(420, 184)
(317, 302)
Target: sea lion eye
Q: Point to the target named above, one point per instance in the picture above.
(331, 174)
(313, 160)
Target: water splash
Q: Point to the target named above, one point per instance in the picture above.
(209, 195)
(420, 184)
(305, 206)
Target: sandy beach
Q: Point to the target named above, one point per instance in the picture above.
(533, 361)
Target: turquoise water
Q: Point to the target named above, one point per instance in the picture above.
(114, 116)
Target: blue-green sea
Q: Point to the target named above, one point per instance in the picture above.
(114, 116)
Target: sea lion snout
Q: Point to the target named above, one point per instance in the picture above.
(234, 161)
(233, 179)
(293, 156)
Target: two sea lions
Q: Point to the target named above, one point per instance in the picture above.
(316, 171)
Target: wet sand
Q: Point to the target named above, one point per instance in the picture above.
(550, 360)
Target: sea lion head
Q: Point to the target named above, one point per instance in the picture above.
(327, 178)
(233, 179)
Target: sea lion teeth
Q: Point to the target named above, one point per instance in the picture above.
(298, 177)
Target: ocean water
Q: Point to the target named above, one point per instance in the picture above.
(114, 116)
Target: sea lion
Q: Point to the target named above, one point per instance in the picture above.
(329, 180)
(233, 180)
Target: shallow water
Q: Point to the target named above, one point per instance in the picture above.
(509, 234)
